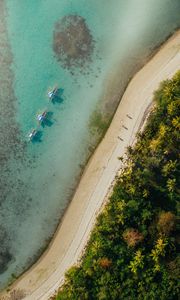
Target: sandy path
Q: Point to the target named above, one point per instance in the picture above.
(47, 274)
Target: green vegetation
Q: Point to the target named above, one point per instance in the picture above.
(132, 253)
(98, 123)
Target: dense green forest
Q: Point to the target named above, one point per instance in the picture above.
(132, 252)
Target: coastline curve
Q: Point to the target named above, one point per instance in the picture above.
(45, 276)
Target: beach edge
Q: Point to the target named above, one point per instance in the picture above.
(47, 274)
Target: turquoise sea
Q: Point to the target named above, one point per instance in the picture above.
(37, 179)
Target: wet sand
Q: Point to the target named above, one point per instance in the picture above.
(44, 278)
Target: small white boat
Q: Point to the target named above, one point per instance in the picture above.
(42, 117)
(52, 93)
(32, 134)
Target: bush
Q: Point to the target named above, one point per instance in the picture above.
(132, 237)
(166, 222)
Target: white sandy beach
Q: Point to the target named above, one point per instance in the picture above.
(44, 278)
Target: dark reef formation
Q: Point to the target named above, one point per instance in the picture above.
(73, 43)
(5, 255)
(12, 148)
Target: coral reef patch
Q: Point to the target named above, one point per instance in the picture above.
(73, 42)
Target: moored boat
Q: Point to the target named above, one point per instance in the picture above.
(32, 134)
(42, 117)
(52, 93)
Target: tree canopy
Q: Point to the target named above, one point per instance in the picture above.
(132, 252)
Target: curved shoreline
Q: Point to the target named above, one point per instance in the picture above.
(41, 281)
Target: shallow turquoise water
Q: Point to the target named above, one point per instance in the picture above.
(41, 180)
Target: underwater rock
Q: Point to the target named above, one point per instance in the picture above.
(5, 255)
(5, 258)
(73, 43)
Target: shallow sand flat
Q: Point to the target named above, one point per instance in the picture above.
(44, 278)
